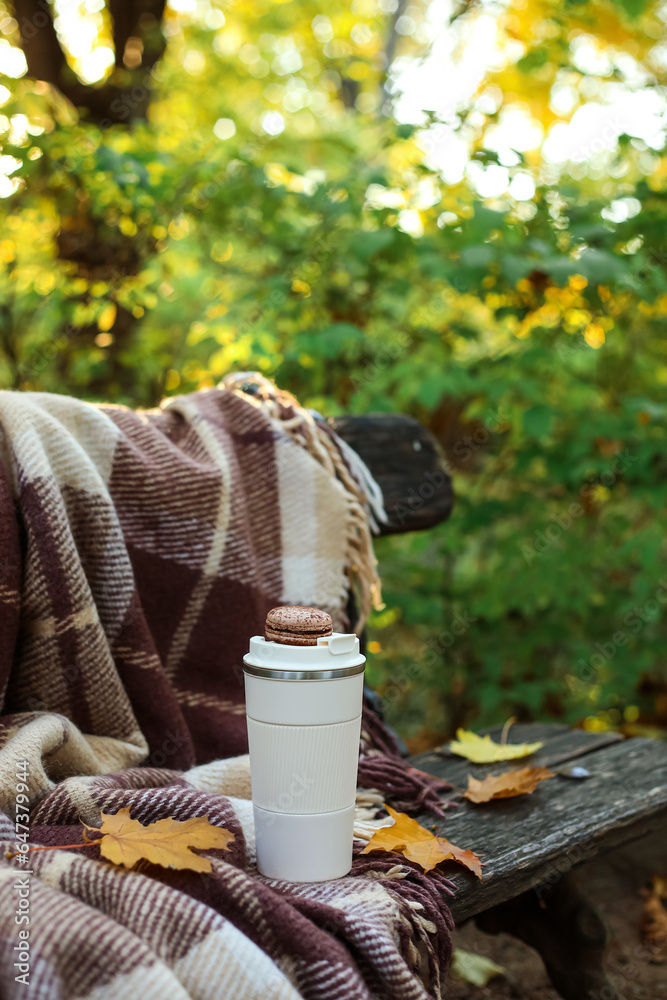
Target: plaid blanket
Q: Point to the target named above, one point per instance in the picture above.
(138, 553)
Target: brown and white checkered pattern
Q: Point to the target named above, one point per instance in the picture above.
(154, 543)
(138, 553)
(101, 932)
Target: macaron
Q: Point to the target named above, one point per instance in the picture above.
(296, 625)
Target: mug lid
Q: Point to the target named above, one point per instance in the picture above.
(335, 655)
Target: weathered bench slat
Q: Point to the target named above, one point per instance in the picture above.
(407, 464)
(532, 840)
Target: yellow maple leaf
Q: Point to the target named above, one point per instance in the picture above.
(166, 842)
(507, 785)
(482, 749)
(418, 844)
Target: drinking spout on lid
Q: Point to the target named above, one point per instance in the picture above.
(340, 643)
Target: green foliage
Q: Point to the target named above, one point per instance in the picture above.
(151, 258)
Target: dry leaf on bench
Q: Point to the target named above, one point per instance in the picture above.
(482, 749)
(507, 785)
(165, 842)
(418, 844)
(660, 886)
(653, 923)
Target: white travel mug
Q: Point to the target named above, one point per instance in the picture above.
(303, 705)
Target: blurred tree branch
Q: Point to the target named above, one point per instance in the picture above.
(392, 36)
(8, 343)
(391, 42)
(113, 101)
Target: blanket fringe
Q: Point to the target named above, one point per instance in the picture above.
(383, 770)
(361, 492)
(405, 788)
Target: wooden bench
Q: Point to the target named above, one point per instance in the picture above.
(532, 845)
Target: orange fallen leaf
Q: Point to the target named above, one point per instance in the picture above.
(429, 853)
(165, 842)
(506, 785)
(403, 831)
(418, 844)
(653, 922)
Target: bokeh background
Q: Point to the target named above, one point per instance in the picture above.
(452, 211)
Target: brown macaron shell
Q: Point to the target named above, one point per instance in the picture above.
(297, 625)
